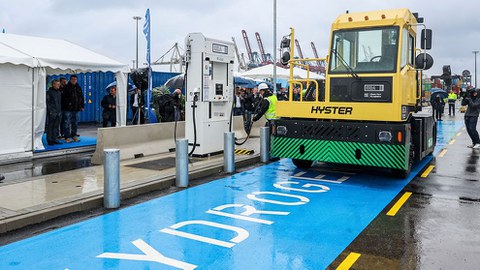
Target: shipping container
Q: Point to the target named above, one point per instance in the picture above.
(94, 85)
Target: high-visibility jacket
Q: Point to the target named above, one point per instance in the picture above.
(270, 113)
(452, 97)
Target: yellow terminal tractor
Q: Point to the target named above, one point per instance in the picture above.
(365, 112)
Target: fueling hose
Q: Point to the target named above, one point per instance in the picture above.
(195, 99)
(230, 127)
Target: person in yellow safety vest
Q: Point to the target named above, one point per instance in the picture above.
(452, 98)
(268, 105)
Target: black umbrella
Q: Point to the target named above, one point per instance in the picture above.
(175, 82)
(438, 93)
(130, 87)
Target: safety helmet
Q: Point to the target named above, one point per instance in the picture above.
(262, 86)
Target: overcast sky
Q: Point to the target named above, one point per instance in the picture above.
(107, 26)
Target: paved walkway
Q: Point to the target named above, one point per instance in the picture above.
(41, 198)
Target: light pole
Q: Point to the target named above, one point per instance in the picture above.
(475, 71)
(274, 47)
(137, 18)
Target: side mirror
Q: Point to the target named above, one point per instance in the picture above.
(285, 58)
(426, 39)
(424, 61)
(285, 43)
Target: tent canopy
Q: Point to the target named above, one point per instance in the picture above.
(57, 55)
(12, 56)
(282, 73)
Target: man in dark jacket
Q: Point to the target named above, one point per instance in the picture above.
(136, 104)
(282, 94)
(54, 111)
(472, 101)
(72, 103)
(109, 104)
(438, 106)
(170, 106)
(251, 100)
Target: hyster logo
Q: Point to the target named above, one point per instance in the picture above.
(331, 110)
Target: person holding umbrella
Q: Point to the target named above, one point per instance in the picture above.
(438, 107)
(472, 101)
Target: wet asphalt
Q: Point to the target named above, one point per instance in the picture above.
(438, 227)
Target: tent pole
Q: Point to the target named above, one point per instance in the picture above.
(33, 110)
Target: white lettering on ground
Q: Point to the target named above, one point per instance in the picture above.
(321, 189)
(242, 233)
(320, 178)
(250, 210)
(150, 255)
(301, 199)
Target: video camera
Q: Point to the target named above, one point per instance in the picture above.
(472, 90)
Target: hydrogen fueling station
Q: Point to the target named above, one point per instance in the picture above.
(354, 171)
(209, 93)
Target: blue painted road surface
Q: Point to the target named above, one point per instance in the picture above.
(272, 217)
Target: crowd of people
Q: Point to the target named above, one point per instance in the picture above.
(470, 107)
(64, 101)
(253, 103)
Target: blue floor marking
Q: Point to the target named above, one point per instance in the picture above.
(84, 141)
(446, 130)
(318, 227)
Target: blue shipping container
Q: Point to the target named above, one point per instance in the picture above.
(93, 86)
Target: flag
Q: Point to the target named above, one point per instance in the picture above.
(146, 31)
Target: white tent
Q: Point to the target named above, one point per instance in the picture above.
(302, 73)
(266, 71)
(24, 64)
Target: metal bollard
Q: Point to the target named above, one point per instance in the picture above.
(111, 178)
(181, 162)
(264, 144)
(229, 152)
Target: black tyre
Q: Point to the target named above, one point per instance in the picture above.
(401, 173)
(302, 164)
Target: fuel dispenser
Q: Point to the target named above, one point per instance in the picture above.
(209, 92)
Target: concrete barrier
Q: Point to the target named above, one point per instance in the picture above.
(154, 139)
(137, 140)
(255, 132)
(239, 129)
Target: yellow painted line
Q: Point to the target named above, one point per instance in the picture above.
(459, 134)
(349, 261)
(393, 211)
(444, 151)
(427, 171)
(452, 141)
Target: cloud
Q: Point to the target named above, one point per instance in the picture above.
(107, 26)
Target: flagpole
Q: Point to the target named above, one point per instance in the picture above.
(147, 31)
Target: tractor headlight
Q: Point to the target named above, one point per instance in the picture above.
(281, 130)
(385, 136)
